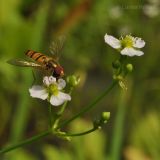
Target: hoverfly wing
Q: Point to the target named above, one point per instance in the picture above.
(23, 63)
(56, 46)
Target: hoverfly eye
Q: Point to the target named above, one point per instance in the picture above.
(55, 74)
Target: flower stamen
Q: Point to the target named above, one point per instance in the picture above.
(53, 89)
(127, 41)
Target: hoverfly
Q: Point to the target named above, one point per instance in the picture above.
(49, 64)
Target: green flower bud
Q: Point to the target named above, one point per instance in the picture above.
(73, 80)
(120, 77)
(116, 64)
(129, 67)
(105, 116)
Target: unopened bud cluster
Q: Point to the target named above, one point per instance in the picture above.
(73, 80)
(121, 69)
(103, 119)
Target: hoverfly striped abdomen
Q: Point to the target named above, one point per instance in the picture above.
(37, 56)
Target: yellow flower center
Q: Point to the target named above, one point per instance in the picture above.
(127, 41)
(53, 89)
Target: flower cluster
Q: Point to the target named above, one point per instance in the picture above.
(51, 90)
(127, 45)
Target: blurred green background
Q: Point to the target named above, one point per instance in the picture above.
(133, 131)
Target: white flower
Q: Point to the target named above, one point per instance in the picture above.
(51, 91)
(127, 46)
(151, 10)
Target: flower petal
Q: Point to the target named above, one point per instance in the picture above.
(112, 41)
(131, 52)
(64, 96)
(55, 101)
(38, 92)
(49, 80)
(59, 99)
(46, 81)
(139, 43)
(61, 84)
(52, 79)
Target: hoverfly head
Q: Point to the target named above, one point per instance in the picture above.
(58, 71)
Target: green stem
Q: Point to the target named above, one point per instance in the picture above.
(58, 115)
(25, 142)
(118, 131)
(90, 106)
(82, 133)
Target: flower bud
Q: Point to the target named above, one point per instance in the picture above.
(119, 77)
(105, 116)
(116, 64)
(73, 80)
(129, 67)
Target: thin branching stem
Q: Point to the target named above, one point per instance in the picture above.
(82, 133)
(25, 142)
(90, 106)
